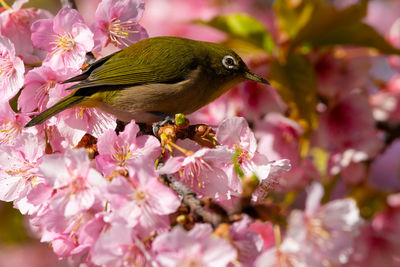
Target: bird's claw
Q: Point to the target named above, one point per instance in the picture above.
(157, 125)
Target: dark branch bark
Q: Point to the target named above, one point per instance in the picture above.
(196, 206)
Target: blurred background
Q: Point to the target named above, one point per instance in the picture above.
(18, 247)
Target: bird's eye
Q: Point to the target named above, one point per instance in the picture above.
(229, 62)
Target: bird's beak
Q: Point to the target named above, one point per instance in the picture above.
(254, 77)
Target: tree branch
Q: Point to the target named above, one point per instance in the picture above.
(196, 206)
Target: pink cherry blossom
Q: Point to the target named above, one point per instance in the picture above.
(214, 113)
(193, 248)
(143, 202)
(76, 182)
(118, 245)
(259, 99)
(265, 230)
(279, 137)
(322, 233)
(378, 244)
(11, 124)
(204, 171)
(66, 37)
(15, 24)
(341, 133)
(249, 244)
(19, 167)
(126, 151)
(159, 22)
(38, 84)
(236, 134)
(117, 23)
(342, 72)
(11, 69)
(86, 120)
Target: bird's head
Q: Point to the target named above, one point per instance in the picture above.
(226, 64)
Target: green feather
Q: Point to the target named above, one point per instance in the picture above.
(145, 62)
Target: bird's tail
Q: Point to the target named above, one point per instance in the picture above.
(61, 105)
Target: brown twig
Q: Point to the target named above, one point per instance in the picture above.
(196, 206)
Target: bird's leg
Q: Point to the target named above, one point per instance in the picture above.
(165, 120)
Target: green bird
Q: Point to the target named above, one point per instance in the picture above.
(155, 78)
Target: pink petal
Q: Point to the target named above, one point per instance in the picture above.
(42, 34)
(106, 141)
(54, 170)
(130, 132)
(161, 198)
(172, 165)
(315, 194)
(236, 131)
(83, 36)
(65, 19)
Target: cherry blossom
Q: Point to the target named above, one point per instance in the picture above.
(193, 248)
(126, 151)
(322, 233)
(117, 23)
(11, 124)
(75, 181)
(204, 171)
(19, 167)
(38, 84)
(66, 37)
(15, 24)
(11, 69)
(236, 134)
(142, 202)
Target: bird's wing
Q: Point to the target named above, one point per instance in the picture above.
(131, 69)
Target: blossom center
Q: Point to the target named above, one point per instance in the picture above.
(42, 94)
(10, 130)
(119, 31)
(23, 170)
(6, 66)
(79, 184)
(63, 43)
(193, 172)
(122, 153)
(317, 231)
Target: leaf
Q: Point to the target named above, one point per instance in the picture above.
(296, 83)
(292, 16)
(359, 34)
(326, 18)
(329, 26)
(244, 27)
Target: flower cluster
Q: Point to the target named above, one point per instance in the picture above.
(304, 177)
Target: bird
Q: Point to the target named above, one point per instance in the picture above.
(154, 78)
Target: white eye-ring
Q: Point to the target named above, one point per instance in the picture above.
(229, 62)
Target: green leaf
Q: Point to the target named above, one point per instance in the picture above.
(296, 83)
(359, 34)
(326, 18)
(244, 27)
(328, 26)
(14, 102)
(293, 16)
